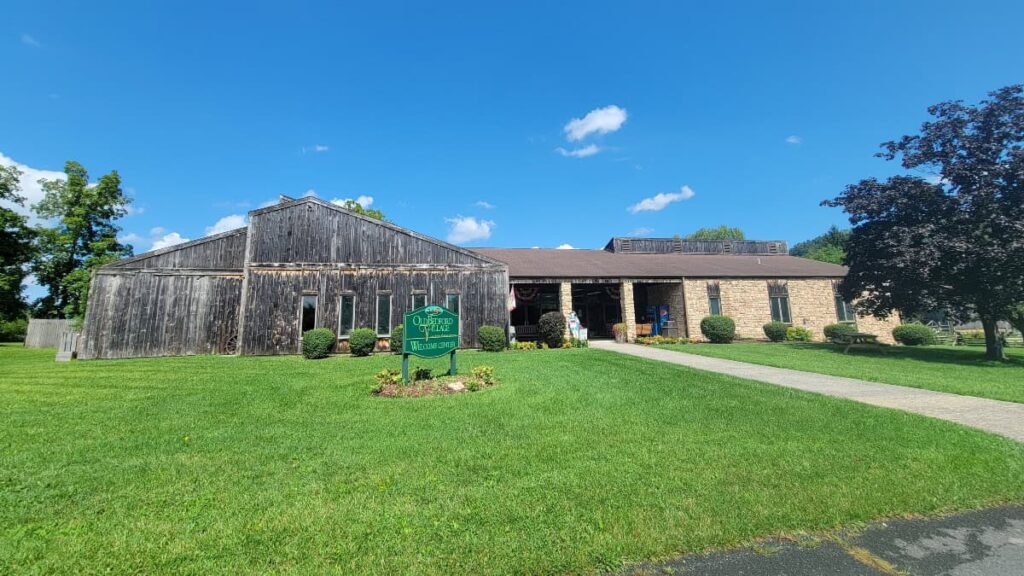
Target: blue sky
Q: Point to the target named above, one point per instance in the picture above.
(528, 124)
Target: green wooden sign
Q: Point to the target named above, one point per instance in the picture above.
(430, 332)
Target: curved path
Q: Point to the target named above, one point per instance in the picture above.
(1003, 418)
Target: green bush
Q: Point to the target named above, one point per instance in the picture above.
(491, 338)
(386, 377)
(838, 330)
(318, 343)
(551, 328)
(13, 330)
(799, 334)
(395, 344)
(775, 331)
(914, 334)
(718, 329)
(484, 374)
(421, 373)
(524, 346)
(362, 341)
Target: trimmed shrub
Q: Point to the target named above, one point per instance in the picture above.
(914, 335)
(397, 333)
(718, 329)
(362, 341)
(318, 343)
(838, 330)
(798, 334)
(13, 330)
(775, 331)
(491, 338)
(551, 328)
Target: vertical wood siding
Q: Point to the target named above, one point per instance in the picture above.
(144, 313)
(45, 333)
(275, 297)
(187, 299)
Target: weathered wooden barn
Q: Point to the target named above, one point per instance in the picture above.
(298, 265)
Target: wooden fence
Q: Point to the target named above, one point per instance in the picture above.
(45, 333)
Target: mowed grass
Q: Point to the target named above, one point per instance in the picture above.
(959, 370)
(578, 461)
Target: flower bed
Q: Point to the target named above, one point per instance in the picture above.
(423, 383)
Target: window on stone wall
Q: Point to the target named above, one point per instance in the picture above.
(844, 310)
(346, 315)
(419, 300)
(383, 314)
(714, 298)
(778, 299)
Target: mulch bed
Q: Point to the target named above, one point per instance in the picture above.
(442, 385)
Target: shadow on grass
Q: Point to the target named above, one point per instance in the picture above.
(963, 356)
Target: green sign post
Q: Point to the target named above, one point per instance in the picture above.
(430, 332)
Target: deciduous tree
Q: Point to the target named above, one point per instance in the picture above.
(83, 237)
(953, 242)
(722, 232)
(829, 247)
(15, 246)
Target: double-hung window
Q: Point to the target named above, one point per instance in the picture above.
(384, 314)
(714, 298)
(346, 315)
(778, 299)
(844, 310)
(451, 302)
(419, 300)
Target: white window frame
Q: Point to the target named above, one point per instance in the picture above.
(341, 312)
(376, 323)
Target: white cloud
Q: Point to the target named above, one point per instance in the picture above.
(565, 247)
(364, 201)
(936, 179)
(168, 240)
(588, 150)
(794, 139)
(484, 204)
(642, 231)
(31, 190)
(29, 40)
(226, 223)
(316, 148)
(468, 228)
(598, 121)
(661, 200)
(157, 238)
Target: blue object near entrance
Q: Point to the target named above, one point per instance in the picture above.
(659, 318)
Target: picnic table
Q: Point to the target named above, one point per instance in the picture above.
(858, 338)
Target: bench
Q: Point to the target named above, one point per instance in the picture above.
(858, 339)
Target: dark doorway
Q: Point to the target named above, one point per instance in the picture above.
(598, 308)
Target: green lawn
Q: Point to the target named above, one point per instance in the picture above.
(578, 461)
(944, 368)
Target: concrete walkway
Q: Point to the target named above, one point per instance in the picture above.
(1004, 418)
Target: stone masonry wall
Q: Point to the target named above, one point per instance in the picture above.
(811, 304)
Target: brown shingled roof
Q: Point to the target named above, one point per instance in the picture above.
(552, 263)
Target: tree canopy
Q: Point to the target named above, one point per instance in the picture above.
(82, 238)
(356, 207)
(952, 242)
(829, 247)
(15, 246)
(722, 232)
